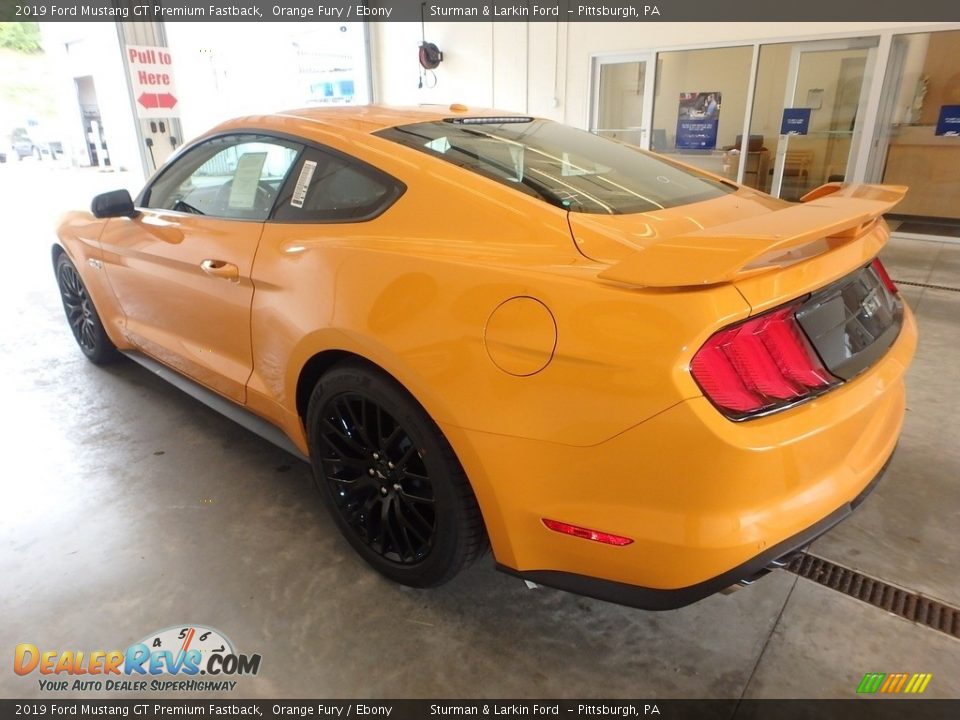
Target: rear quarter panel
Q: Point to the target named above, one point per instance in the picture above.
(414, 289)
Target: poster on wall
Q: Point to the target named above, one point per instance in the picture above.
(949, 122)
(697, 120)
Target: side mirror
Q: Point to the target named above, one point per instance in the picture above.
(116, 203)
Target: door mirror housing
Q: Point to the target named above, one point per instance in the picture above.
(116, 203)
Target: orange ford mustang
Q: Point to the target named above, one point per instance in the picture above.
(634, 380)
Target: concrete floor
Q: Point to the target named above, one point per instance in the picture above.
(128, 507)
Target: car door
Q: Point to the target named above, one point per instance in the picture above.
(181, 268)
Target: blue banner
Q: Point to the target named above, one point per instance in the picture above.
(949, 122)
(796, 121)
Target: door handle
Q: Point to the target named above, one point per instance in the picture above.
(221, 269)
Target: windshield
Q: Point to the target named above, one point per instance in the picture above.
(559, 164)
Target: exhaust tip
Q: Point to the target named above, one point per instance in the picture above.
(779, 564)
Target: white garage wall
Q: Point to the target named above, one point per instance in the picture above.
(531, 67)
(484, 65)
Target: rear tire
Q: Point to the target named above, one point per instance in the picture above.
(390, 479)
(82, 315)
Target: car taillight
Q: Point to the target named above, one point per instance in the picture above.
(759, 365)
(884, 276)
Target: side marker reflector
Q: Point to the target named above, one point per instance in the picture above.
(586, 533)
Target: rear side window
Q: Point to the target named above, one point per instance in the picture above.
(326, 187)
(561, 165)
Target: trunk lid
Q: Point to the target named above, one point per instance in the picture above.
(746, 238)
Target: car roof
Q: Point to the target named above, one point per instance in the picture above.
(360, 118)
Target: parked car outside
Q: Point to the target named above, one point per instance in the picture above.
(27, 143)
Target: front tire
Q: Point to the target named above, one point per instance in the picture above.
(390, 479)
(82, 315)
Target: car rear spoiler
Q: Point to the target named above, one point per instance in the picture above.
(723, 252)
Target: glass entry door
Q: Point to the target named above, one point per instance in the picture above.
(832, 80)
(623, 99)
(923, 76)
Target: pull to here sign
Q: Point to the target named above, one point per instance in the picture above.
(151, 76)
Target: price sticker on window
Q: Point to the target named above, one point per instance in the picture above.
(303, 182)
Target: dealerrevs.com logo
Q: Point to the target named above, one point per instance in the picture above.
(173, 659)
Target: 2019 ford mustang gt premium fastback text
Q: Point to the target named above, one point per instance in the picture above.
(631, 379)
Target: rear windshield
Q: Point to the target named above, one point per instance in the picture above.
(564, 166)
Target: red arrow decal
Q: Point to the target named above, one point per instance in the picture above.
(157, 100)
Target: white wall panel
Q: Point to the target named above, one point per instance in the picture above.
(488, 63)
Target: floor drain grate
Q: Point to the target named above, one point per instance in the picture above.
(875, 592)
(926, 285)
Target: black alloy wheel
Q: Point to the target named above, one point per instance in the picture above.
(379, 481)
(82, 315)
(390, 479)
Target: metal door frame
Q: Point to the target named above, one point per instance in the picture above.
(649, 78)
(869, 44)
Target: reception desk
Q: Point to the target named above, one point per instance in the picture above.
(930, 166)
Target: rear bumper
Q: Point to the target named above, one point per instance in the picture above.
(707, 502)
(659, 599)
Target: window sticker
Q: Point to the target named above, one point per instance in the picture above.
(303, 182)
(246, 178)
